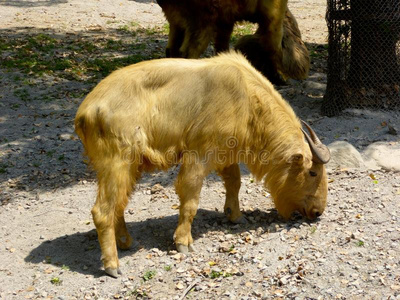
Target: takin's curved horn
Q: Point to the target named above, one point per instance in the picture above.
(320, 152)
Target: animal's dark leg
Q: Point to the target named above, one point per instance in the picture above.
(223, 35)
(196, 41)
(271, 29)
(175, 40)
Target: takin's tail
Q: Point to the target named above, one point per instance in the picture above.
(100, 142)
(80, 128)
(296, 60)
(90, 128)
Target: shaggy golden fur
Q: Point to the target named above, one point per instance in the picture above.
(296, 60)
(205, 115)
(194, 23)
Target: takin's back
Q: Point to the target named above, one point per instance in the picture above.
(175, 100)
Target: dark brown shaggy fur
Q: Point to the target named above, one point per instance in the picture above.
(296, 60)
(194, 23)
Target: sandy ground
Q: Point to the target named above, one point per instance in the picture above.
(48, 245)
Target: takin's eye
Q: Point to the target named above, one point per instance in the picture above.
(313, 174)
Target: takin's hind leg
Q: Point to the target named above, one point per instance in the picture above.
(123, 238)
(188, 187)
(231, 178)
(115, 185)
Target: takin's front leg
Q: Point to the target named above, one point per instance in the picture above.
(231, 178)
(270, 29)
(188, 187)
(222, 37)
(115, 186)
(175, 40)
(197, 38)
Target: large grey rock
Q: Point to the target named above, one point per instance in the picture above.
(384, 155)
(344, 155)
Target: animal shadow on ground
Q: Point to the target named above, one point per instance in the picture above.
(32, 3)
(144, 1)
(44, 76)
(81, 251)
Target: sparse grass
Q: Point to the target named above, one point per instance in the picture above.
(138, 293)
(3, 168)
(216, 274)
(76, 58)
(313, 229)
(50, 153)
(124, 28)
(65, 268)
(165, 28)
(15, 106)
(318, 51)
(168, 268)
(22, 94)
(242, 29)
(56, 281)
(113, 44)
(149, 275)
(360, 243)
(106, 66)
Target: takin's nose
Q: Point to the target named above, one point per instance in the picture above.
(314, 213)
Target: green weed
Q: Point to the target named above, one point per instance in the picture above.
(149, 275)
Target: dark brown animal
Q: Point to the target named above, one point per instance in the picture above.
(194, 23)
(296, 59)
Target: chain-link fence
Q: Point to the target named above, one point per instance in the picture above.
(364, 55)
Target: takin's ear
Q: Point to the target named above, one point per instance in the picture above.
(297, 159)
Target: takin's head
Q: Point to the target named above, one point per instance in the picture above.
(303, 185)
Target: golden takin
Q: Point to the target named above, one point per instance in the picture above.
(205, 115)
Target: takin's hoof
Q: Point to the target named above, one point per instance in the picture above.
(185, 249)
(235, 220)
(240, 220)
(113, 272)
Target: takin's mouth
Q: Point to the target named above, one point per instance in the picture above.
(313, 214)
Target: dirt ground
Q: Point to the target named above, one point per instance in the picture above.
(48, 244)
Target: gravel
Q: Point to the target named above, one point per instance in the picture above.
(49, 246)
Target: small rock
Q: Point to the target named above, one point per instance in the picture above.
(66, 136)
(157, 188)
